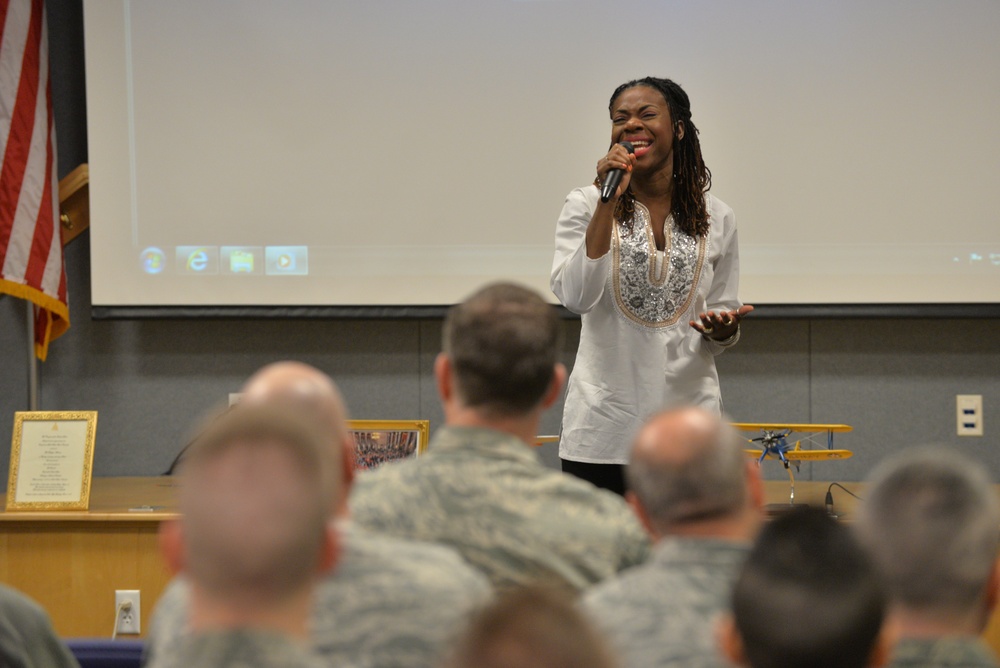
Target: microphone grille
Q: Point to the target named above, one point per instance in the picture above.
(628, 146)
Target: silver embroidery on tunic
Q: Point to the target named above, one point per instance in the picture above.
(644, 295)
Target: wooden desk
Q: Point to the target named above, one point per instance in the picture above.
(72, 562)
(813, 493)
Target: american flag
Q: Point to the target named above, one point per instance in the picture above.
(31, 260)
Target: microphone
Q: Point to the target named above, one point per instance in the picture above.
(614, 177)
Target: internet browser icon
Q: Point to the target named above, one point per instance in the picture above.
(198, 259)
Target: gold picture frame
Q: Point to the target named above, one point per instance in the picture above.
(51, 460)
(379, 441)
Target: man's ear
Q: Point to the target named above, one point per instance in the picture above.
(640, 512)
(330, 555)
(349, 463)
(442, 374)
(993, 588)
(728, 638)
(755, 485)
(556, 386)
(881, 652)
(171, 540)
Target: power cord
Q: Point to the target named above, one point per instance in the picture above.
(829, 497)
(124, 607)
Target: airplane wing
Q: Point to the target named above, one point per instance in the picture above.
(805, 455)
(816, 455)
(803, 428)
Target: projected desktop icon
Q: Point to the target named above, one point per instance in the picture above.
(153, 260)
(197, 259)
(287, 260)
(242, 260)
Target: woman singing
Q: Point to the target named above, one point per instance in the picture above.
(654, 273)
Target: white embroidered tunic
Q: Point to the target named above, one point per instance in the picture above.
(637, 352)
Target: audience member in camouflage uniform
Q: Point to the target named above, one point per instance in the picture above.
(931, 518)
(480, 487)
(253, 538)
(390, 603)
(700, 498)
(238, 648)
(26, 635)
(808, 596)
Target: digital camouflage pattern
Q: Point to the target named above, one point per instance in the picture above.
(237, 649)
(947, 652)
(664, 612)
(487, 494)
(388, 603)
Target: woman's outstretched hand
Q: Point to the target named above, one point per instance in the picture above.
(722, 325)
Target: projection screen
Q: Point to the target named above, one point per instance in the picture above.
(403, 152)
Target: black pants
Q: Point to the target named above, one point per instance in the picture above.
(606, 476)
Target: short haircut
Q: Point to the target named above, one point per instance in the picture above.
(531, 626)
(932, 521)
(808, 595)
(708, 485)
(503, 343)
(256, 489)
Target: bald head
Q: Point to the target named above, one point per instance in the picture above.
(687, 465)
(308, 389)
(675, 438)
(295, 381)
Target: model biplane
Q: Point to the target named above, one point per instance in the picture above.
(775, 441)
(783, 441)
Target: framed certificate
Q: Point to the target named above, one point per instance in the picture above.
(380, 441)
(51, 460)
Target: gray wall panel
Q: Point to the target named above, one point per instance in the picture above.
(896, 381)
(765, 378)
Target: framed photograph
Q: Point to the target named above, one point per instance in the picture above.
(51, 460)
(380, 441)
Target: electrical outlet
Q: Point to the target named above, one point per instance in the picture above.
(969, 408)
(127, 609)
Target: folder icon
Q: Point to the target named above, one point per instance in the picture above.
(241, 262)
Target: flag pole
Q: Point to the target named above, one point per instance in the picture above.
(32, 360)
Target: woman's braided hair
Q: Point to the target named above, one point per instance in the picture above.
(692, 179)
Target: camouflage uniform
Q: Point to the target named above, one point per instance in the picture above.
(488, 495)
(237, 649)
(389, 603)
(957, 651)
(663, 613)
